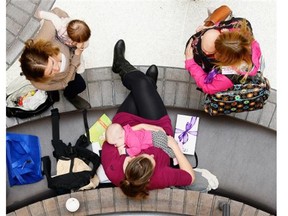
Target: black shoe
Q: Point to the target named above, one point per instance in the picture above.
(79, 102)
(119, 50)
(120, 64)
(152, 72)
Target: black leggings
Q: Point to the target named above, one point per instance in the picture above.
(143, 100)
(75, 87)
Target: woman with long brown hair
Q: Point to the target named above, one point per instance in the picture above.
(226, 46)
(144, 108)
(51, 65)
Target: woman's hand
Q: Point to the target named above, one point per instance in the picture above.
(172, 143)
(189, 50)
(78, 51)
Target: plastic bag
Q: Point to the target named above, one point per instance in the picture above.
(23, 158)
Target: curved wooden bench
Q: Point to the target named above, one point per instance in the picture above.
(111, 201)
(175, 86)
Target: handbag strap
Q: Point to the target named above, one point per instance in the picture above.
(60, 148)
(86, 124)
(55, 124)
(196, 159)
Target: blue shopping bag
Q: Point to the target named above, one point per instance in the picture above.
(23, 159)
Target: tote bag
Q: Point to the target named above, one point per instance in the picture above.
(23, 158)
(23, 100)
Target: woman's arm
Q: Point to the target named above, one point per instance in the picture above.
(184, 164)
(147, 127)
(219, 82)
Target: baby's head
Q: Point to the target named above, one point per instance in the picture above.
(78, 31)
(115, 134)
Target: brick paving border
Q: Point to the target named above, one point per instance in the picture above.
(112, 201)
(175, 86)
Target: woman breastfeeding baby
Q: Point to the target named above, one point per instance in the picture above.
(142, 123)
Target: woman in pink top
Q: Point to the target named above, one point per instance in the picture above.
(143, 108)
(229, 45)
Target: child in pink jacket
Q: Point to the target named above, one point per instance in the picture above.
(132, 142)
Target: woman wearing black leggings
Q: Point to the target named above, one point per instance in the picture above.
(143, 109)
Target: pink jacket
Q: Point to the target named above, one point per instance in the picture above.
(220, 82)
(136, 141)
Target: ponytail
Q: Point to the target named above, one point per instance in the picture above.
(137, 175)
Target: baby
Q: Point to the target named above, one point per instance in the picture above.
(72, 32)
(131, 142)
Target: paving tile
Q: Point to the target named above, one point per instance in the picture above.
(169, 93)
(17, 14)
(235, 207)
(177, 74)
(46, 5)
(120, 92)
(107, 93)
(273, 123)
(191, 201)
(254, 116)
(10, 122)
(163, 200)
(120, 200)
(22, 212)
(95, 95)
(97, 74)
(268, 111)
(242, 115)
(9, 39)
(182, 93)
(160, 88)
(61, 200)
(216, 211)
(82, 208)
(194, 98)
(262, 213)
(37, 209)
(150, 203)
(248, 210)
(27, 6)
(134, 205)
(177, 201)
(204, 205)
(51, 207)
(107, 201)
(14, 51)
(92, 200)
(273, 96)
(29, 30)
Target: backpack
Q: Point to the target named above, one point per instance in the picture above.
(23, 100)
(249, 96)
(71, 180)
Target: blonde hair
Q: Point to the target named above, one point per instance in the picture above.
(232, 48)
(137, 175)
(34, 59)
(78, 31)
